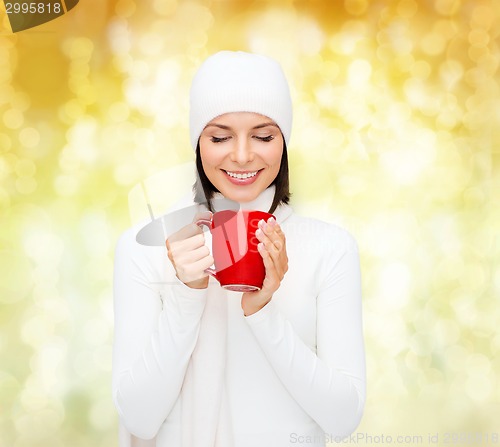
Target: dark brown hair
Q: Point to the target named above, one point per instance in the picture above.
(281, 195)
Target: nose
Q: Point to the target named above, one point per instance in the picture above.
(242, 152)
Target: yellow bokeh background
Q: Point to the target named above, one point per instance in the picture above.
(396, 137)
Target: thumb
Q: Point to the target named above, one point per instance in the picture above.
(203, 215)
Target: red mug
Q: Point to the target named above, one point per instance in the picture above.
(238, 264)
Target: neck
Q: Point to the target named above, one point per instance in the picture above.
(262, 202)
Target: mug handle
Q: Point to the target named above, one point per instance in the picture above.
(208, 224)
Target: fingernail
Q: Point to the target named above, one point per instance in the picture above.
(260, 246)
(272, 221)
(258, 233)
(261, 223)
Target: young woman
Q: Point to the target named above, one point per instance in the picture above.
(197, 365)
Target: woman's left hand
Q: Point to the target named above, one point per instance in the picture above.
(272, 248)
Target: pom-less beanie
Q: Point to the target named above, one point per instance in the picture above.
(235, 81)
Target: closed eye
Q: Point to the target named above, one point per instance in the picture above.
(218, 140)
(268, 138)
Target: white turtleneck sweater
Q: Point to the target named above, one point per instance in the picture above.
(292, 374)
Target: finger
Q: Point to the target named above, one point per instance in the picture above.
(274, 243)
(279, 260)
(278, 230)
(203, 263)
(272, 247)
(185, 233)
(184, 245)
(192, 256)
(279, 257)
(195, 271)
(270, 230)
(271, 280)
(272, 265)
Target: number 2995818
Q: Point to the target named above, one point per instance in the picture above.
(33, 8)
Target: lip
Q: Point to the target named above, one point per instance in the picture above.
(242, 172)
(242, 181)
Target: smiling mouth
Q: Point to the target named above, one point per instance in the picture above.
(242, 174)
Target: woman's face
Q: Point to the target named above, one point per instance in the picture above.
(241, 154)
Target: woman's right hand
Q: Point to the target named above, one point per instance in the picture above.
(189, 255)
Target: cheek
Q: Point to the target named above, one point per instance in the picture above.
(208, 158)
(274, 155)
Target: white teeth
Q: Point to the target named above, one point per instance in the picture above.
(242, 176)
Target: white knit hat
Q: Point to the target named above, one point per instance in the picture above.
(235, 81)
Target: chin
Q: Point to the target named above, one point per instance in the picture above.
(241, 196)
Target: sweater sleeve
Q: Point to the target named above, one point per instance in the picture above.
(328, 384)
(152, 346)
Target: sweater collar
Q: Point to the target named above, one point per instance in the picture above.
(262, 202)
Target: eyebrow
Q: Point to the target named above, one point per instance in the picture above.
(258, 126)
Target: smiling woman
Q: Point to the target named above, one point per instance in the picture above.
(198, 365)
